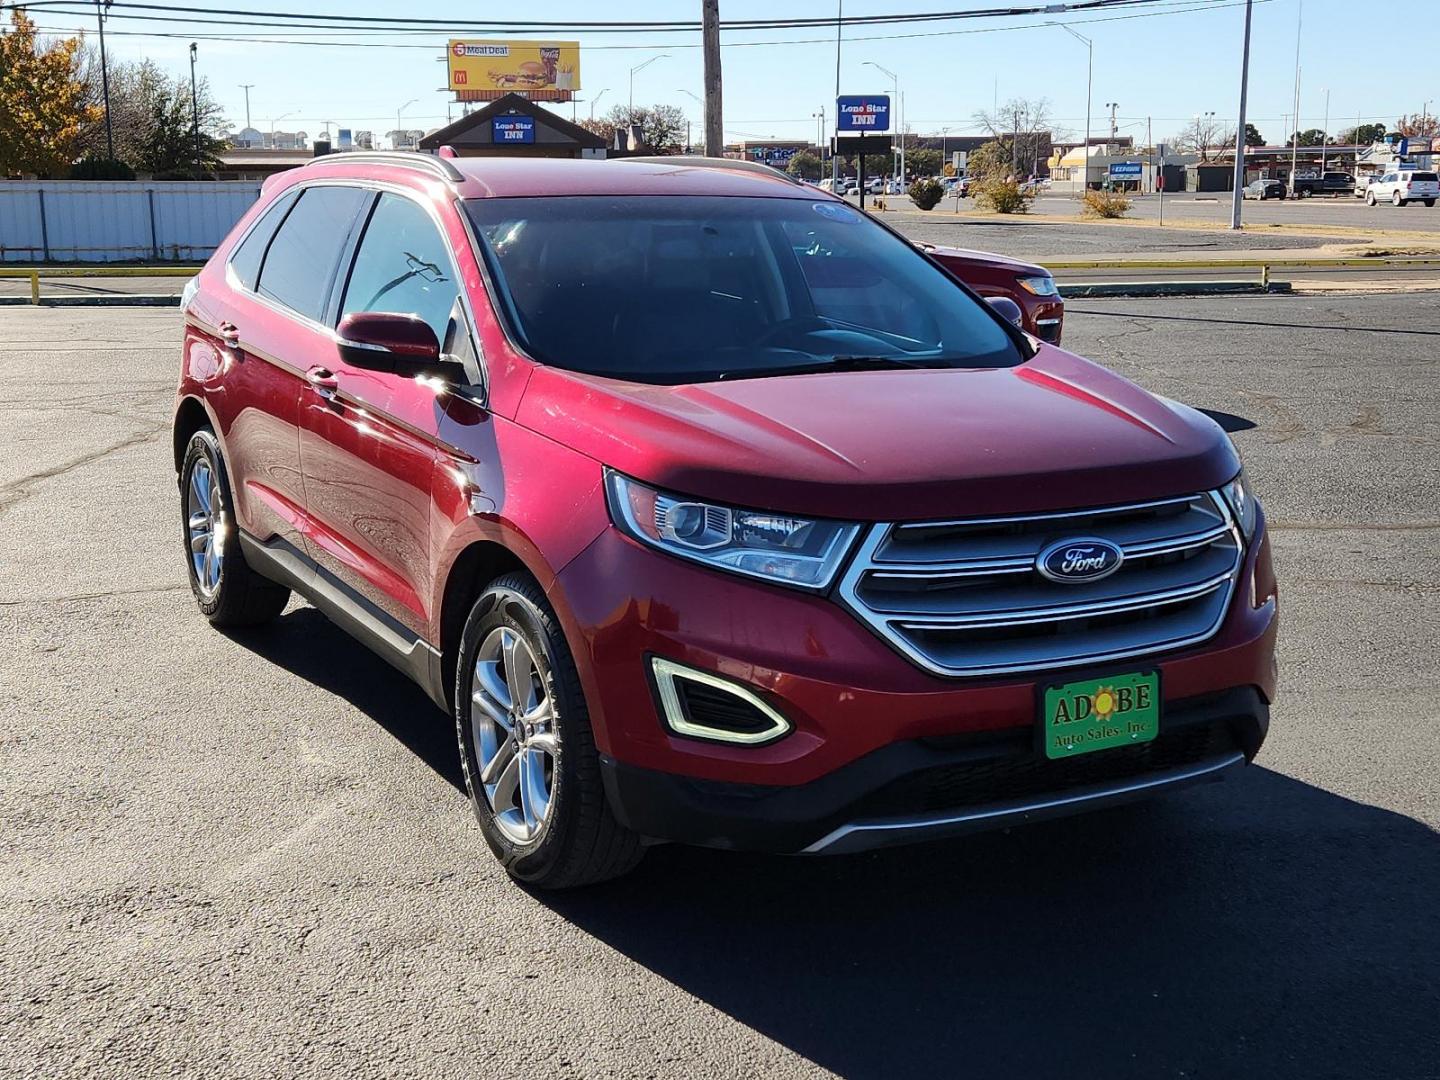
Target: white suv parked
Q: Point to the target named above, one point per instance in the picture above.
(1404, 187)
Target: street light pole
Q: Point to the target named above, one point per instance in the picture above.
(835, 155)
(596, 100)
(1295, 142)
(641, 67)
(1325, 133)
(398, 133)
(195, 108)
(1239, 179)
(1089, 84)
(899, 162)
(247, 88)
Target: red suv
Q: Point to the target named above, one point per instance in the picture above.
(711, 509)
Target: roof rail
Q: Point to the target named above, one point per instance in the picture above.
(736, 164)
(413, 159)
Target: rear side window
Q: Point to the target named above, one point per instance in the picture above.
(1424, 176)
(245, 263)
(300, 263)
(403, 266)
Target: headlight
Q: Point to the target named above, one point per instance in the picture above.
(777, 547)
(1044, 285)
(1241, 499)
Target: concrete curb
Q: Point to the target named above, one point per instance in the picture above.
(115, 300)
(1169, 288)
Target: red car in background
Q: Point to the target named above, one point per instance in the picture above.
(1028, 285)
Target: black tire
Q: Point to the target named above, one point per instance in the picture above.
(241, 597)
(1429, 202)
(580, 842)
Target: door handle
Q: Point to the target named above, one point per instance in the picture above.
(323, 381)
(229, 334)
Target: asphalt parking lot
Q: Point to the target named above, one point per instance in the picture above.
(250, 855)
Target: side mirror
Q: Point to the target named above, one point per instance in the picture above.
(1007, 309)
(394, 343)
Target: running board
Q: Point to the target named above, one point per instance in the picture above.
(404, 650)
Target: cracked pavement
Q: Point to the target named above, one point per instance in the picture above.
(249, 855)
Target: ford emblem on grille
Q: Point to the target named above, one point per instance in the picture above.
(1079, 559)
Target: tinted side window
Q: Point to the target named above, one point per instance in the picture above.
(246, 260)
(403, 266)
(302, 257)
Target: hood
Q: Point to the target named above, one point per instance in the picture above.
(986, 258)
(1056, 432)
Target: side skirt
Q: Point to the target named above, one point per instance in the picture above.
(398, 646)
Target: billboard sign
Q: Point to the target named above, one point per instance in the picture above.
(863, 112)
(1125, 170)
(503, 67)
(513, 129)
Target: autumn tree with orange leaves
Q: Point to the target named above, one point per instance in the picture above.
(43, 107)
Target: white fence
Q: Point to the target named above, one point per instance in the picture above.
(118, 221)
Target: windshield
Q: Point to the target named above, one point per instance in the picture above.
(676, 289)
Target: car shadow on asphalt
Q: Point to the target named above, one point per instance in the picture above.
(1259, 927)
(307, 644)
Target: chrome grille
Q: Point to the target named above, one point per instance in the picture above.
(964, 597)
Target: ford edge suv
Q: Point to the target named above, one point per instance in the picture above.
(710, 509)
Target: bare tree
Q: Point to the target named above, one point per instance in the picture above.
(1022, 127)
(1206, 137)
(662, 127)
(139, 93)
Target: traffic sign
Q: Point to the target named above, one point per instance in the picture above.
(864, 112)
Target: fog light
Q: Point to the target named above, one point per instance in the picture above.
(700, 705)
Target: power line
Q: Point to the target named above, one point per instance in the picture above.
(1173, 7)
(279, 20)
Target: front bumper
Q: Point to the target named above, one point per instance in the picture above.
(879, 748)
(927, 789)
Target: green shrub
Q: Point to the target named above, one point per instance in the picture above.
(1105, 204)
(97, 168)
(926, 194)
(1003, 196)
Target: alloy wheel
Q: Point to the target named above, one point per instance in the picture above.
(516, 740)
(205, 525)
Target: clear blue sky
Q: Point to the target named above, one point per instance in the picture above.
(1167, 67)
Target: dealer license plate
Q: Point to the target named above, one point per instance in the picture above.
(1097, 714)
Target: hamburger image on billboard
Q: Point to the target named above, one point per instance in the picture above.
(506, 66)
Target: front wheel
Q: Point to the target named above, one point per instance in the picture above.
(228, 591)
(527, 748)
(1370, 198)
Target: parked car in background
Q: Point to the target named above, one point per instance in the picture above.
(1330, 183)
(1030, 286)
(710, 510)
(1264, 189)
(1362, 184)
(1402, 188)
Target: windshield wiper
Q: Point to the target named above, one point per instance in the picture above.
(835, 363)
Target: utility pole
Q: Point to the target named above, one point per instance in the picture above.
(195, 108)
(1239, 181)
(100, 6)
(1112, 106)
(714, 110)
